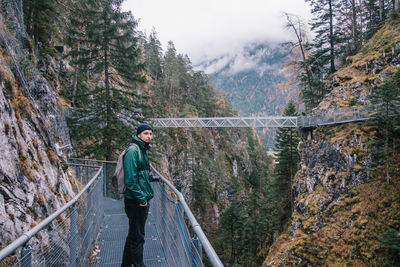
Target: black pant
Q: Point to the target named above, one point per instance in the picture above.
(133, 250)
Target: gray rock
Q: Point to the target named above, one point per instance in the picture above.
(23, 176)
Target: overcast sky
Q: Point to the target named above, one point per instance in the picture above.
(208, 28)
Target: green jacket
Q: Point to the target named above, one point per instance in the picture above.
(136, 172)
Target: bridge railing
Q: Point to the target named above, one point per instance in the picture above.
(183, 239)
(65, 238)
(185, 242)
(328, 117)
(336, 116)
(218, 122)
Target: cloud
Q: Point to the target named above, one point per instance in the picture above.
(209, 28)
(216, 65)
(257, 56)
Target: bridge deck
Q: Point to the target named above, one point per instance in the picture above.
(114, 231)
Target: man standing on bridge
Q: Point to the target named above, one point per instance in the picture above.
(137, 194)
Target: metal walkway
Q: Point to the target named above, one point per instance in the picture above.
(90, 230)
(114, 231)
(341, 115)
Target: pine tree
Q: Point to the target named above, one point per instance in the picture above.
(285, 169)
(153, 56)
(332, 42)
(109, 55)
(349, 17)
(387, 98)
(391, 241)
(40, 17)
(372, 17)
(323, 50)
(231, 231)
(327, 35)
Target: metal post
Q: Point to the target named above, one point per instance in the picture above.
(26, 255)
(72, 244)
(87, 172)
(88, 221)
(105, 179)
(79, 174)
(197, 244)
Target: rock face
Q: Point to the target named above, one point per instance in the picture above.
(342, 205)
(34, 181)
(209, 167)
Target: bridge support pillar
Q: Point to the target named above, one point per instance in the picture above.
(306, 134)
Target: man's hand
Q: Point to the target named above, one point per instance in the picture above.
(143, 205)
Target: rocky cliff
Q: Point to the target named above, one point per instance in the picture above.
(212, 168)
(343, 204)
(34, 180)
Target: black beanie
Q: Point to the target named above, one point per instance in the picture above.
(143, 127)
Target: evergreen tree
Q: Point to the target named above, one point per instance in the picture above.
(40, 19)
(231, 231)
(341, 28)
(153, 56)
(312, 84)
(327, 36)
(285, 168)
(110, 56)
(333, 41)
(374, 17)
(391, 240)
(349, 17)
(323, 51)
(387, 98)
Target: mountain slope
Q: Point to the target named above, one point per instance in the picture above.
(343, 205)
(250, 77)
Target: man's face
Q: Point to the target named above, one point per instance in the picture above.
(146, 135)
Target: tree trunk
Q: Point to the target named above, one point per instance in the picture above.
(354, 25)
(396, 5)
(362, 33)
(331, 37)
(387, 144)
(75, 81)
(387, 154)
(107, 137)
(291, 171)
(299, 36)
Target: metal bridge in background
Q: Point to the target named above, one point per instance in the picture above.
(336, 116)
(226, 122)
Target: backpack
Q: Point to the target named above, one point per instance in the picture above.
(117, 180)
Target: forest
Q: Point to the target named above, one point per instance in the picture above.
(114, 77)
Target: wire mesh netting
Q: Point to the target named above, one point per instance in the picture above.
(171, 225)
(43, 97)
(173, 230)
(67, 240)
(339, 115)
